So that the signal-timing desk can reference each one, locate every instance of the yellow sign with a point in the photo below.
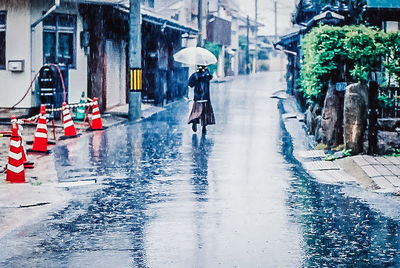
(136, 80)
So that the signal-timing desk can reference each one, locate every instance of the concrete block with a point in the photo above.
(382, 182)
(394, 169)
(359, 160)
(393, 180)
(383, 170)
(370, 170)
(394, 160)
(383, 160)
(371, 160)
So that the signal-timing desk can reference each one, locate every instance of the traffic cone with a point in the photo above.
(81, 110)
(96, 118)
(69, 127)
(40, 139)
(15, 167)
(27, 163)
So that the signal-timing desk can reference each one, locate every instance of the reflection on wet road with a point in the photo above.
(166, 197)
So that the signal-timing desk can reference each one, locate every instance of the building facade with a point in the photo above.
(29, 42)
(88, 41)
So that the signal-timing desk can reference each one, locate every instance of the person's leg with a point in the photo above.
(203, 118)
(195, 115)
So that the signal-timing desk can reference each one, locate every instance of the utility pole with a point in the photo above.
(135, 61)
(256, 34)
(276, 22)
(200, 23)
(247, 48)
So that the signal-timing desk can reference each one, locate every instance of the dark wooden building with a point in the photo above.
(106, 38)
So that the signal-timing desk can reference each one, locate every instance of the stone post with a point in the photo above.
(331, 123)
(355, 116)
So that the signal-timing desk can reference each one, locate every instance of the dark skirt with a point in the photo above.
(202, 111)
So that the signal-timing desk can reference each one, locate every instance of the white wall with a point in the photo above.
(15, 84)
(277, 62)
(235, 45)
(116, 71)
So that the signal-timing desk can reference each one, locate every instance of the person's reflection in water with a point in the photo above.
(200, 154)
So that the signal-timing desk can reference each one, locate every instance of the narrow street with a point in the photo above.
(235, 197)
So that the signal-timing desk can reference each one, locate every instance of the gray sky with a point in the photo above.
(266, 14)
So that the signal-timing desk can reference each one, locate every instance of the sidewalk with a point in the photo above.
(374, 173)
(23, 203)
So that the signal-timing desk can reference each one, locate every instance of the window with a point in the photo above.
(2, 39)
(149, 3)
(59, 35)
(392, 26)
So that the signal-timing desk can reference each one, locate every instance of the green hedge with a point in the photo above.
(215, 49)
(349, 53)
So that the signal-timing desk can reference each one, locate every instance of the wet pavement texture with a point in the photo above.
(236, 197)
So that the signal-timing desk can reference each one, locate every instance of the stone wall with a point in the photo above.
(388, 135)
(344, 120)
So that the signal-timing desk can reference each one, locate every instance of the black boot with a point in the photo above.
(204, 130)
(194, 127)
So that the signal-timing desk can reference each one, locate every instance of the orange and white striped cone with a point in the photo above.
(27, 163)
(15, 167)
(69, 127)
(40, 139)
(96, 118)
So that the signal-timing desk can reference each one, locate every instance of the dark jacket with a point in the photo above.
(201, 83)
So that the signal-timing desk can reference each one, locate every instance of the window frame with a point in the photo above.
(3, 28)
(58, 29)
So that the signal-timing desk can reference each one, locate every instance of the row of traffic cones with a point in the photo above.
(17, 158)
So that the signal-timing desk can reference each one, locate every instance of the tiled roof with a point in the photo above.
(383, 3)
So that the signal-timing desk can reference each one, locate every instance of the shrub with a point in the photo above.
(364, 46)
(215, 49)
(350, 54)
(323, 50)
(391, 47)
(264, 67)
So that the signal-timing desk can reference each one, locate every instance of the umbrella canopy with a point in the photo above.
(195, 56)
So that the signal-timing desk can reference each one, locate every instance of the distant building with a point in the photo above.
(223, 25)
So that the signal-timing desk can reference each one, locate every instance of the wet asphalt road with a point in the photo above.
(236, 197)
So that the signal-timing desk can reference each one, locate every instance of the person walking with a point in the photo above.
(202, 111)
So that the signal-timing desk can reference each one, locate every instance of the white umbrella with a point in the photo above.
(195, 56)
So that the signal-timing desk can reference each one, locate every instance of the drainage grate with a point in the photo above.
(312, 154)
(321, 165)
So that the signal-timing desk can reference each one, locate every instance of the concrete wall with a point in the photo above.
(115, 73)
(20, 15)
(277, 62)
(235, 45)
